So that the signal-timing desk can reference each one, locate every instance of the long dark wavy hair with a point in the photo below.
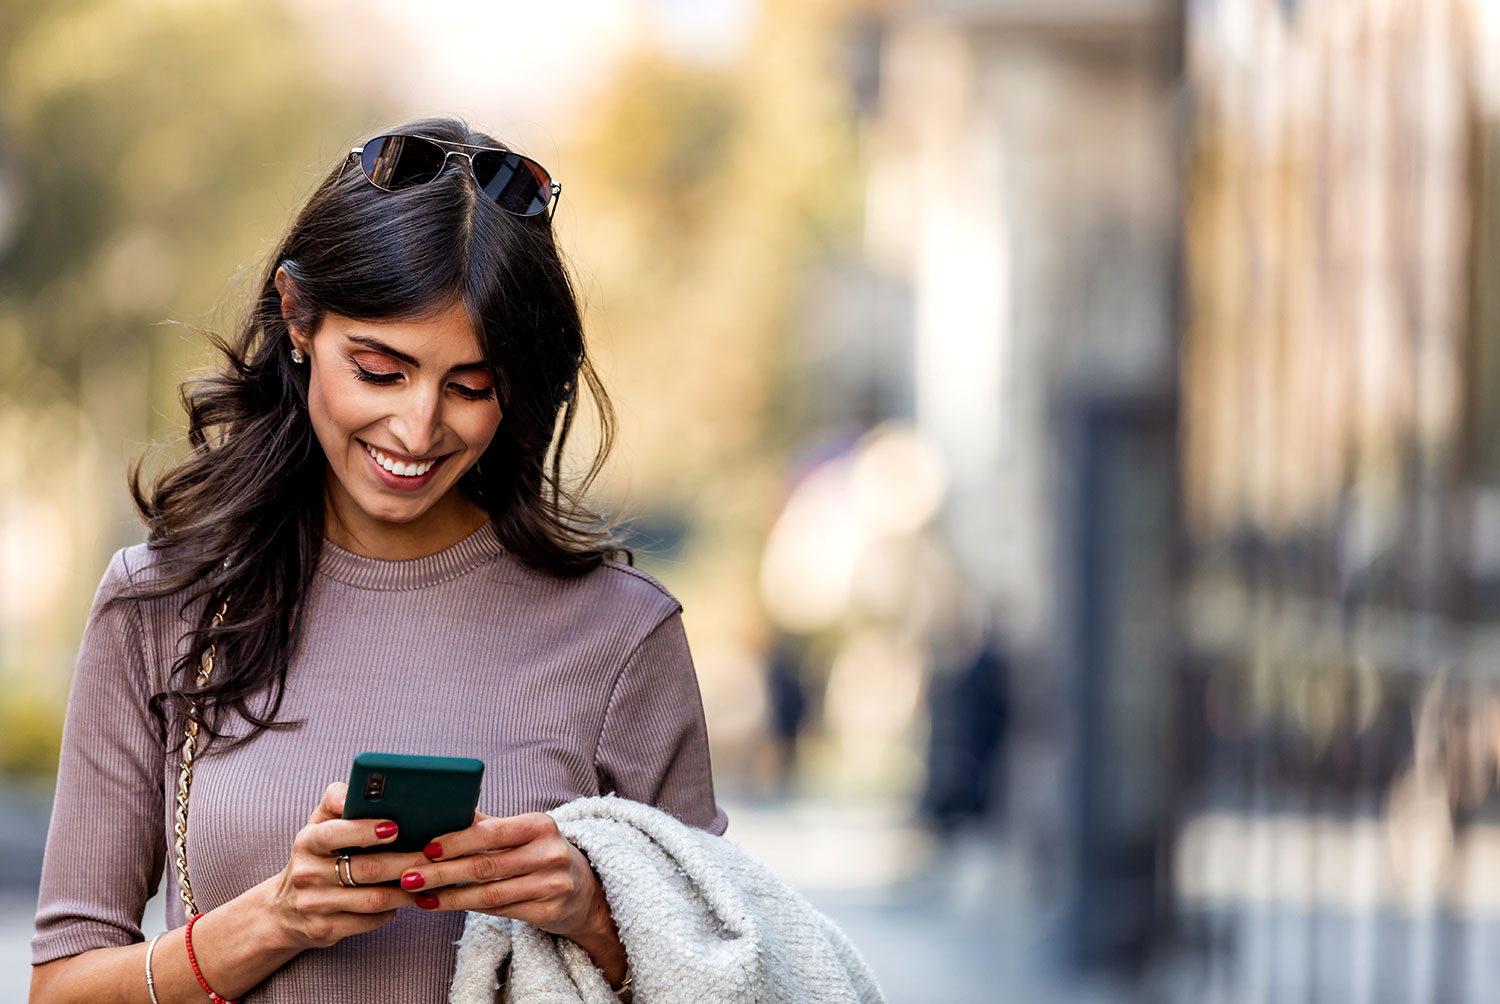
(241, 516)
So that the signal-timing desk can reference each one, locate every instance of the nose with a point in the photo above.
(418, 423)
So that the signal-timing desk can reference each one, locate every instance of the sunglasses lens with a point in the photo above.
(393, 162)
(520, 185)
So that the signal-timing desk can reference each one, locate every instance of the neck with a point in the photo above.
(449, 521)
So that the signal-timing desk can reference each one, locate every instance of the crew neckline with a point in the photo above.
(364, 572)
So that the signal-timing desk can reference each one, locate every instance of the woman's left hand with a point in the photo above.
(520, 867)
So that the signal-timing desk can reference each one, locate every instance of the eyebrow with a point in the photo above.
(379, 346)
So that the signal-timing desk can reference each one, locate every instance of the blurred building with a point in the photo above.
(1015, 306)
(1196, 305)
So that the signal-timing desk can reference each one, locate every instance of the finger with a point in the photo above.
(332, 804)
(487, 866)
(332, 835)
(332, 899)
(384, 866)
(491, 833)
(369, 922)
(511, 897)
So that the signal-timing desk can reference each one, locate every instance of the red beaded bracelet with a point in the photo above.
(188, 936)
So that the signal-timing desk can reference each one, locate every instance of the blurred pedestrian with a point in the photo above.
(969, 710)
(788, 699)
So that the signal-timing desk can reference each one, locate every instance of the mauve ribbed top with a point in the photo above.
(563, 687)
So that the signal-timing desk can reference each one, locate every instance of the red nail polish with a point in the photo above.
(386, 829)
(433, 850)
(427, 901)
(412, 881)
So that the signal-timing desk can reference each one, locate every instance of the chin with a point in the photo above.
(393, 513)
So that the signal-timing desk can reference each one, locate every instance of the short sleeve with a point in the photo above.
(654, 744)
(106, 845)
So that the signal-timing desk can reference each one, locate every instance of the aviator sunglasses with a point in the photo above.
(518, 184)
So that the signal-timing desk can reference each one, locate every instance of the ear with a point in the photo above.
(291, 310)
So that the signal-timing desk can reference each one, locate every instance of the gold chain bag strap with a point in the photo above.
(185, 774)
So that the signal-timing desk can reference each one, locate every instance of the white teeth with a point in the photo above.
(397, 467)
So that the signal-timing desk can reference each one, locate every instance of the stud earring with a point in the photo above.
(297, 355)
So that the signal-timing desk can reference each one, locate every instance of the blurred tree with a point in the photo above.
(704, 195)
(147, 149)
(150, 150)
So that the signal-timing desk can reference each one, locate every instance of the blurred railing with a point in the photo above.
(1336, 707)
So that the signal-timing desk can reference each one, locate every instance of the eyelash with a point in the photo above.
(360, 373)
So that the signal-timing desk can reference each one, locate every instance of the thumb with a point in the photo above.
(332, 805)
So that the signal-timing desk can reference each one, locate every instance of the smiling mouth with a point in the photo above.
(401, 468)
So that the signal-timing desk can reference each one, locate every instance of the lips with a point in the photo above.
(402, 482)
(399, 465)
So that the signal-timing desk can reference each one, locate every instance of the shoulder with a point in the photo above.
(134, 561)
(611, 597)
(131, 568)
(630, 595)
(134, 579)
(630, 580)
(611, 583)
(117, 605)
(139, 562)
(119, 578)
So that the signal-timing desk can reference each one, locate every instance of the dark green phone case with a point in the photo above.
(426, 796)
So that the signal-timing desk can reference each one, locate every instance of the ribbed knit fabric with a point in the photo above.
(564, 687)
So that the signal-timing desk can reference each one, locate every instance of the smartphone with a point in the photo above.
(426, 796)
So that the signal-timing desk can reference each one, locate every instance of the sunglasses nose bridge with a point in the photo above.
(468, 160)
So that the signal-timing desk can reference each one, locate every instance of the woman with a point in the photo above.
(369, 501)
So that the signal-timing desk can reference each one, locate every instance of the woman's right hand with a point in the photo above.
(241, 942)
(311, 907)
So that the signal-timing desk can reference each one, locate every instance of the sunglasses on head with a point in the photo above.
(518, 184)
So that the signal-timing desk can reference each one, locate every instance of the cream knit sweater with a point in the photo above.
(701, 921)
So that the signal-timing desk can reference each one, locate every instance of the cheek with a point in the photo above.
(336, 414)
(479, 428)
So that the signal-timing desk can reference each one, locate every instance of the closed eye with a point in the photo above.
(363, 374)
(471, 393)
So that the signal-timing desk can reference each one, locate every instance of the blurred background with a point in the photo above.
(1072, 428)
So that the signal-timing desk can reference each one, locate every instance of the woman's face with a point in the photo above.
(402, 410)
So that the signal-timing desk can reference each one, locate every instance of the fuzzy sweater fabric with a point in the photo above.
(700, 920)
